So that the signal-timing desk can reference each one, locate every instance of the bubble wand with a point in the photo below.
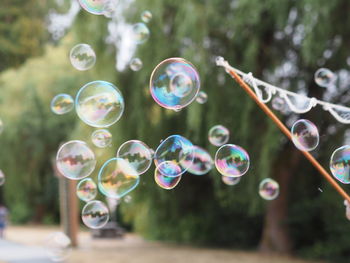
(230, 70)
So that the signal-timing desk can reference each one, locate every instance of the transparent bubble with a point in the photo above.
(167, 176)
(278, 104)
(101, 138)
(62, 103)
(324, 77)
(86, 190)
(136, 64)
(269, 189)
(127, 199)
(95, 7)
(116, 178)
(202, 97)
(174, 83)
(146, 16)
(340, 164)
(218, 135)
(201, 162)
(230, 180)
(347, 209)
(82, 57)
(99, 104)
(75, 160)
(2, 178)
(140, 33)
(232, 160)
(176, 149)
(137, 154)
(57, 246)
(110, 7)
(305, 135)
(95, 214)
(1, 126)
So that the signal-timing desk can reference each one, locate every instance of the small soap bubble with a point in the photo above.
(166, 175)
(146, 16)
(57, 246)
(230, 180)
(232, 160)
(202, 97)
(127, 199)
(201, 162)
(2, 178)
(101, 138)
(136, 64)
(305, 135)
(140, 33)
(278, 104)
(95, 214)
(95, 7)
(62, 104)
(340, 164)
(269, 189)
(324, 77)
(218, 135)
(86, 190)
(1, 126)
(82, 57)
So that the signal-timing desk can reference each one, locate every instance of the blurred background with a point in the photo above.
(281, 42)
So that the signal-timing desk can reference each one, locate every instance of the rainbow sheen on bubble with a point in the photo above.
(2, 178)
(305, 135)
(218, 135)
(116, 178)
(324, 77)
(75, 160)
(95, 7)
(174, 83)
(136, 64)
(86, 190)
(232, 160)
(95, 214)
(202, 97)
(137, 154)
(101, 138)
(269, 189)
(340, 164)
(230, 180)
(82, 57)
(99, 104)
(140, 33)
(146, 16)
(166, 175)
(62, 104)
(57, 246)
(201, 162)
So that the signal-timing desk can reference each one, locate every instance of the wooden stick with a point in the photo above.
(286, 131)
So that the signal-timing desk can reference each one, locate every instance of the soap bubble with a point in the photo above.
(146, 16)
(136, 64)
(57, 246)
(86, 190)
(95, 214)
(99, 104)
(95, 7)
(324, 77)
(347, 209)
(176, 149)
(202, 97)
(101, 138)
(201, 162)
(230, 180)
(232, 160)
(110, 8)
(340, 164)
(2, 178)
(218, 135)
(62, 103)
(305, 135)
(278, 104)
(116, 178)
(166, 175)
(1, 126)
(140, 33)
(174, 83)
(75, 160)
(82, 57)
(269, 189)
(137, 154)
(128, 199)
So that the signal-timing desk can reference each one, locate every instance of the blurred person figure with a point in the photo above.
(3, 219)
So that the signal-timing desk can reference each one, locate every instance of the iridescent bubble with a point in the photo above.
(230, 180)
(269, 189)
(82, 57)
(99, 104)
(86, 190)
(140, 33)
(136, 64)
(2, 178)
(95, 7)
(340, 164)
(174, 83)
(116, 178)
(218, 135)
(201, 162)
(166, 175)
(57, 246)
(1, 126)
(324, 77)
(95, 214)
(75, 160)
(101, 138)
(278, 103)
(62, 104)
(202, 97)
(137, 154)
(305, 135)
(146, 16)
(232, 160)
(176, 149)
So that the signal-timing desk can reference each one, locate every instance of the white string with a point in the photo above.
(339, 112)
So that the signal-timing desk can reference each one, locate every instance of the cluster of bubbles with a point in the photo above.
(324, 77)
(269, 189)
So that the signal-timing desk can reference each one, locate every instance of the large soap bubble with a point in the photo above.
(201, 163)
(86, 190)
(57, 246)
(62, 104)
(305, 135)
(95, 214)
(340, 164)
(82, 57)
